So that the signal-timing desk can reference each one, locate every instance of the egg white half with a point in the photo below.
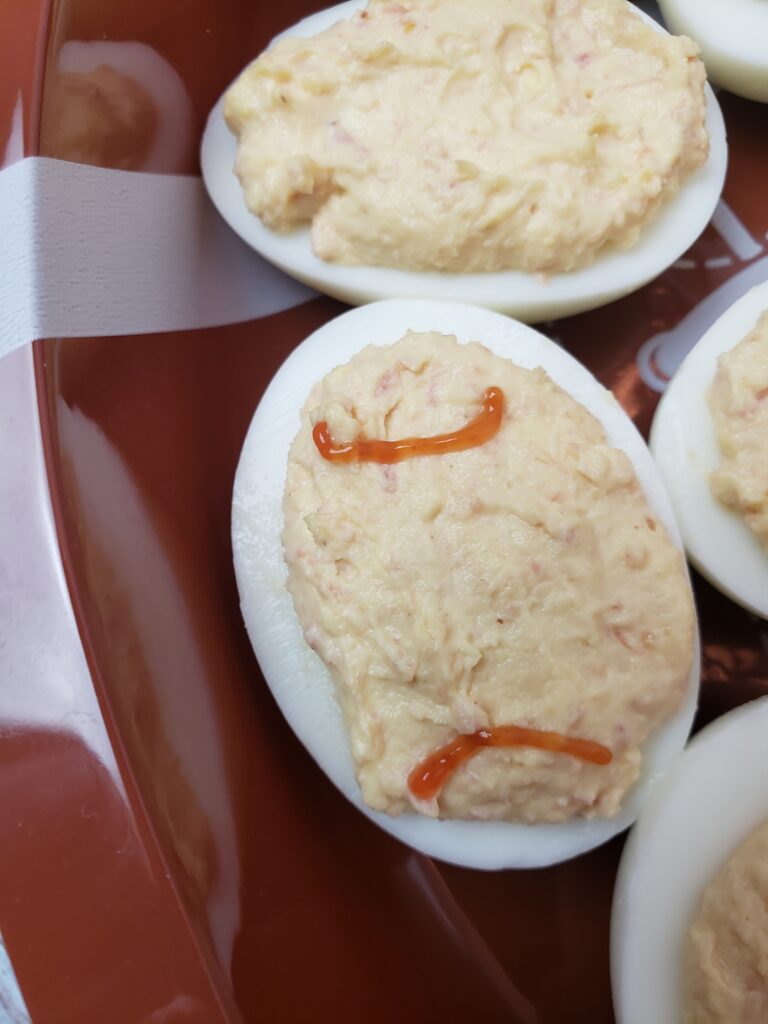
(526, 296)
(298, 679)
(683, 441)
(733, 38)
(709, 803)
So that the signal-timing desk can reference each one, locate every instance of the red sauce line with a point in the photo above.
(477, 432)
(428, 778)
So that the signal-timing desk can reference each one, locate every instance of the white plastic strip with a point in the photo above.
(12, 1007)
(94, 252)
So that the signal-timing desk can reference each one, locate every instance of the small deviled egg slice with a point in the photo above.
(683, 441)
(298, 679)
(528, 297)
(732, 38)
(708, 804)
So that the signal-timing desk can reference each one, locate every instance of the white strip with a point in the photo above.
(12, 1007)
(734, 233)
(95, 252)
(717, 262)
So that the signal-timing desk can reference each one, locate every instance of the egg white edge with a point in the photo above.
(714, 797)
(683, 441)
(526, 296)
(732, 42)
(297, 677)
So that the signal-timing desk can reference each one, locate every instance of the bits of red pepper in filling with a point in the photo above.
(474, 434)
(428, 778)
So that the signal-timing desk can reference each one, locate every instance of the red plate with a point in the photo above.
(170, 853)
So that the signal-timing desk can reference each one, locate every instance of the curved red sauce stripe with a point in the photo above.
(479, 430)
(428, 778)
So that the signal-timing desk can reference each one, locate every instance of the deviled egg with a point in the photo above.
(684, 442)
(677, 952)
(536, 173)
(457, 596)
(732, 38)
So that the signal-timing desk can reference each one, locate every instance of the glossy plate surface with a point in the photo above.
(194, 865)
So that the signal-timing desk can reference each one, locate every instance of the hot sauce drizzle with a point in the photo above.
(428, 778)
(481, 429)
